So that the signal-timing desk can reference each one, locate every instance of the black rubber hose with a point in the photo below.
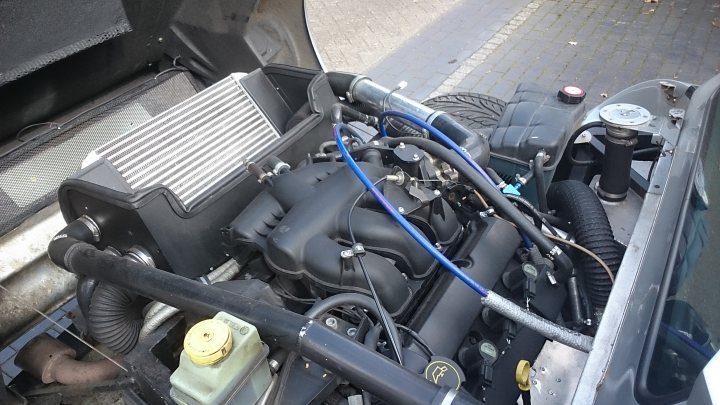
(499, 201)
(340, 82)
(372, 337)
(340, 111)
(464, 137)
(526, 207)
(359, 300)
(337, 353)
(84, 292)
(539, 171)
(578, 203)
(495, 176)
(114, 318)
(571, 144)
(418, 339)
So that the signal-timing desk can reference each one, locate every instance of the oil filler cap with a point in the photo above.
(522, 375)
(208, 342)
(444, 372)
(571, 95)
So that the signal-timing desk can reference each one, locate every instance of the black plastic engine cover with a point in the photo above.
(300, 224)
(447, 314)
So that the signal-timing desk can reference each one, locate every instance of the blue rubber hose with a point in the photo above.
(449, 143)
(492, 300)
(414, 233)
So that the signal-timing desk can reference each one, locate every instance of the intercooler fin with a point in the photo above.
(193, 147)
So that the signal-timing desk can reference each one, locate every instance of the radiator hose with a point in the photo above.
(578, 203)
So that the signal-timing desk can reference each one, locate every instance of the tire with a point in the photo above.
(478, 112)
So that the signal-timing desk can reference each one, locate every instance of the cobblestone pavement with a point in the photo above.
(490, 46)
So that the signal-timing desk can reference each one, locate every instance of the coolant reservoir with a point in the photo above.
(223, 362)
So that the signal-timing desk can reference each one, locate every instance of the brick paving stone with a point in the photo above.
(490, 46)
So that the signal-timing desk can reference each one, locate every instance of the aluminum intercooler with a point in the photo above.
(171, 183)
(193, 147)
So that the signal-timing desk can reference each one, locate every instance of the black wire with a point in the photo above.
(645, 151)
(289, 297)
(56, 125)
(282, 292)
(526, 207)
(418, 339)
(383, 318)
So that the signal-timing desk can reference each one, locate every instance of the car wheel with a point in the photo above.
(478, 112)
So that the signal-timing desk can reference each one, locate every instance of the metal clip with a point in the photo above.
(356, 250)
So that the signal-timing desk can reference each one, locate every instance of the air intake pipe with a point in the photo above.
(374, 98)
(364, 368)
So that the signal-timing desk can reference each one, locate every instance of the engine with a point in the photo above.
(270, 203)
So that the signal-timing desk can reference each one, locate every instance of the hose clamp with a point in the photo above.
(280, 166)
(555, 251)
(351, 88)
(434, 115)
(139, 255)
(92, 226)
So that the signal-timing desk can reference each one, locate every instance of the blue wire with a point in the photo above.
(414, 233)
(438, 135)
(448, 143)
(526, 241)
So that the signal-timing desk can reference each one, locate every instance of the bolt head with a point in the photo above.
(331, 322)
(401, 210)
(351, 332)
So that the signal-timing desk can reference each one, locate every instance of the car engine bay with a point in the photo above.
(293, 236)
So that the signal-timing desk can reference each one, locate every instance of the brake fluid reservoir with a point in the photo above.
(223, 362)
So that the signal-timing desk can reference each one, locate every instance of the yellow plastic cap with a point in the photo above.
(522, 375)
(208, 342)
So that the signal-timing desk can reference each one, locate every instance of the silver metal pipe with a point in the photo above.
(540, 325)
(159, 313)
(366, 91)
